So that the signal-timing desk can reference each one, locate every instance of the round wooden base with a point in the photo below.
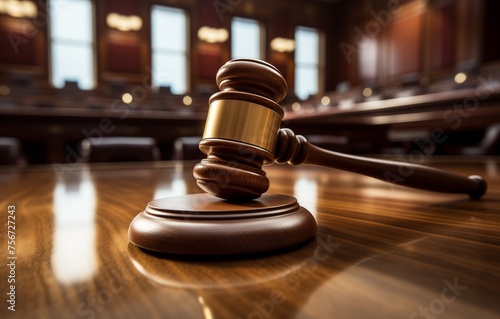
(201, 224)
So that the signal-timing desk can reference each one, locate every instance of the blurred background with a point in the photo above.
(399, 77)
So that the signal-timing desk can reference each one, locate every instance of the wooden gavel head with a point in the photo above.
(241, 130)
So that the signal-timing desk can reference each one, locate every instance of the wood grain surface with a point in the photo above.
(381, 251)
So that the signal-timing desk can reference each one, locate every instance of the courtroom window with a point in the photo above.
(169, 28)
(308, 62)
(246, 38)
(72, 43)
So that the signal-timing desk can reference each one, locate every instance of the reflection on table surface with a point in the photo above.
(382, 251)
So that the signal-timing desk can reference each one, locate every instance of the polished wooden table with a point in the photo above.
(381, 251)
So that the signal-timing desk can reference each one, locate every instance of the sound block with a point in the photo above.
(201, 224)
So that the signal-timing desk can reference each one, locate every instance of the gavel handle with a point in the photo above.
(297, 150)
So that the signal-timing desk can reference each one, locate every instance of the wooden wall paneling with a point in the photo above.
(279, 24)
(361, 23)
(490, 53)
(43, 39)
(124, 7)
(334, 59)
(100, 42)
(145, 47)
(444, 42)
(16, 46)
(440, 39)
(428, 31)
(469, 34)
(420, 38)
(23, 45)
(196, 24)
(121, 53)
(370, 40)
(189, 43)
(213, 13)
(405, 43)
(342, 41)
(283, 62)
(383, 60)
(208, 57)
(323, 53)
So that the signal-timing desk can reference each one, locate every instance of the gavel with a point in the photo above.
(243, 133)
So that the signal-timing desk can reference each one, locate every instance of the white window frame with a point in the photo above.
(164, 77)
(235, 38)
(54, 6)
(318, 65)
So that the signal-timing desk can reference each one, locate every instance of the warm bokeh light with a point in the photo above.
(124, 23)
(18, 9)
(127, 98)
(187, 100)
(283, 45)
(325, 100)
(460, 78)
(367, 92)
(296, 106)
(213, 35)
